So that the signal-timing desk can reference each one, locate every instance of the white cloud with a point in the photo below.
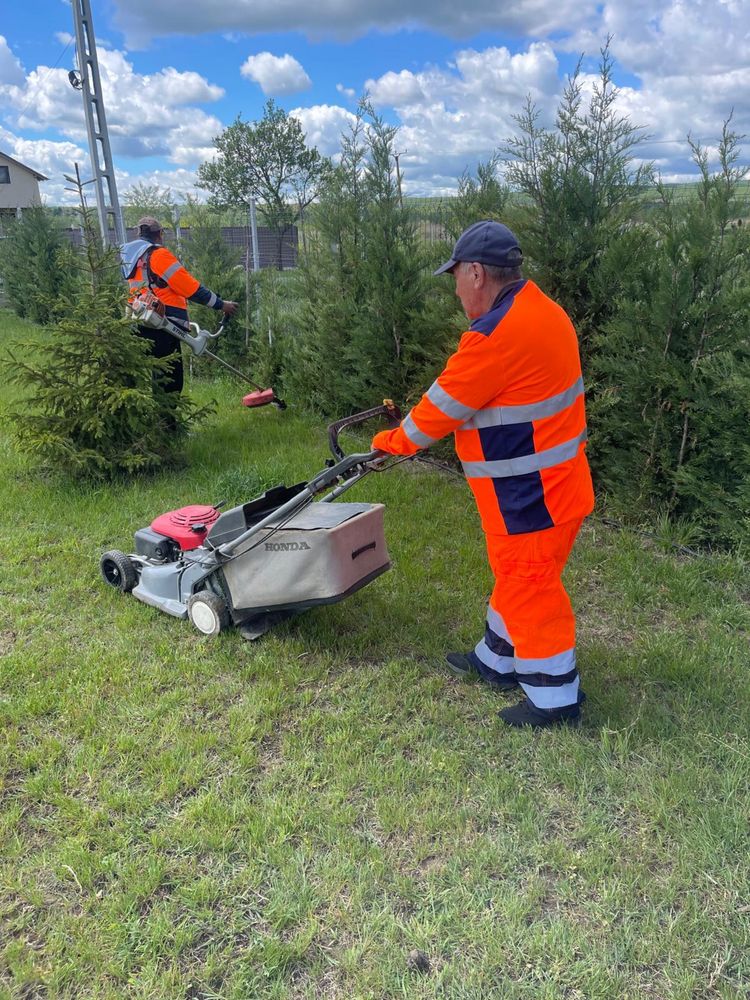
(53, 159)
(453, 116)
(685, 64)
(11, 71)
(323, 125)
(397, 89)
(147, 115)
(691, 61)
(181, 182)
(276, 74)
(672, 37)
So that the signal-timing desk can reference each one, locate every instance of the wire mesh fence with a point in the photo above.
(275, 250)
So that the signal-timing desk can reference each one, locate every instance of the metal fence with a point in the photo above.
(273, 248)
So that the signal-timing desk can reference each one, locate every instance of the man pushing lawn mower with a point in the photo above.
(512, 393)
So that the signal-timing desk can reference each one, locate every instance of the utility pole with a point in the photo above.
(89, 83)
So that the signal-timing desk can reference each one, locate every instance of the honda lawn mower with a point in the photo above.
(146, 310)
(267, 559)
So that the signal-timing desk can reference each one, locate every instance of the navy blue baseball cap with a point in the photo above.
(485, 242)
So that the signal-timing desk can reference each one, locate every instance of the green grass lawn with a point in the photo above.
(193, 819)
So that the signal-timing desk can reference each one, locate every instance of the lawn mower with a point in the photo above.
(145, 310)
(264, 560)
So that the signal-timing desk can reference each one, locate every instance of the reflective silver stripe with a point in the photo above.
(495, 416)
(171, 270)
(495, 661)
(414, 434)
(502, 468)
(552, 697)
(212, 301)
(450, 406)
(496, 623)
(500, 664)
(555, 666)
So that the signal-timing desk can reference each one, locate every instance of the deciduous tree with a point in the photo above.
(266, 160)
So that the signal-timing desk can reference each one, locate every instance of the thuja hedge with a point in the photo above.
(657, 285)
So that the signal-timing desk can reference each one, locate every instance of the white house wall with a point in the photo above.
(23, 190)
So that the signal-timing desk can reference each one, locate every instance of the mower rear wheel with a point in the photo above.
(118, 570)
(208, 612)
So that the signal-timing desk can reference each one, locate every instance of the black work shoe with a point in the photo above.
(469, 665)
(526, 714)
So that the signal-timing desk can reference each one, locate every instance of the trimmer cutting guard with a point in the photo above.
(260, 398)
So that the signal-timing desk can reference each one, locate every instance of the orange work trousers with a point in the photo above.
(530, 629)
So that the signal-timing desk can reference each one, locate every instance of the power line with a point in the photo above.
(46, 77)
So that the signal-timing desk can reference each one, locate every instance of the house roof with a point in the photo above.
(39, 177)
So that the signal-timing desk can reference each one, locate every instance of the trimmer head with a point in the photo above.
(260, 398)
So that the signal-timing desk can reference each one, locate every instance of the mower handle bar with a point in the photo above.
(355, 465)
(348, 467)
(388, 410)
(208, 335)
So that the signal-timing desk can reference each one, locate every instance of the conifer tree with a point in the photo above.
(34, 279)
(96, 405)
(479, 196)
(582, 189)
(369, 328)
(329, 281)
(670, 423)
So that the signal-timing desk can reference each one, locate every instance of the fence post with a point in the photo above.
(177, 228)
(253, 232)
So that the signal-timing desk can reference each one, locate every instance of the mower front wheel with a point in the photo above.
(118, 570)
(208, 612)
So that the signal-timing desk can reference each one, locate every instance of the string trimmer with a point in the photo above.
(198, 342)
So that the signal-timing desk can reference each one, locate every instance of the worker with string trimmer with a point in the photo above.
(160, 288)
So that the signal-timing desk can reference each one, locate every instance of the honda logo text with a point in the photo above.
(286, 546)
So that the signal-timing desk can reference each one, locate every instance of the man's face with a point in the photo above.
(470, 288)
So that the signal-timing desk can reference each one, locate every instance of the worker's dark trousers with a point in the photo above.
(163, 344)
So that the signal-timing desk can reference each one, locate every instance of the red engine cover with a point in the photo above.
(187, 526)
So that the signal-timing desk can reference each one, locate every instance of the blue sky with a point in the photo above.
(451, 76)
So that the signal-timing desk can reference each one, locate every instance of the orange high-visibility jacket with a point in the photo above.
(513, 396)
(171, 283)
